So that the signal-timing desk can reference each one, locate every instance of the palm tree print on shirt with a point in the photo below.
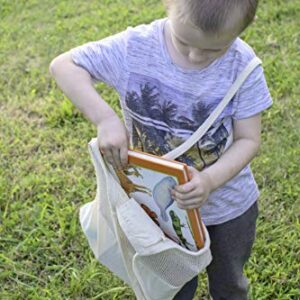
(158, 126)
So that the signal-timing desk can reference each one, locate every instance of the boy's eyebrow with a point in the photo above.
(185, 42)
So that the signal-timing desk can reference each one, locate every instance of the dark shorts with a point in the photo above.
(231, 244)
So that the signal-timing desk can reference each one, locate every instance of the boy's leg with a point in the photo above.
(231, 244)
(188, 291)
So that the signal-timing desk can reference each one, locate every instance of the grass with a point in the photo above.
(45, 169)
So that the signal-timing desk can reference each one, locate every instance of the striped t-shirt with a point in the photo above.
(163, 103)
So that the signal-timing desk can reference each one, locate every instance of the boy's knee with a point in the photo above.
(228, 288)
(188, 291)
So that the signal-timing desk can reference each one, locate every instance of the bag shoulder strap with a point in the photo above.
(196, 136)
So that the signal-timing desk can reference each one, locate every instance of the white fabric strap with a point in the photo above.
(196, 136)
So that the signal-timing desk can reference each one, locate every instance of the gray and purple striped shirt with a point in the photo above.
(163, 103)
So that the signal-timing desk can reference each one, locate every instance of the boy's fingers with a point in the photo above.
(189, 204)
(108, 157)
(184, 188)
(192, 171)
(124, 156)
(185, 196)
(113, 156)
(116, 159)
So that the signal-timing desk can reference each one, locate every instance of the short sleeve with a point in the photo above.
(105, 59)
(253, 96)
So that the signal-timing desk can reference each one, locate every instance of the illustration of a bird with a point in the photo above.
(162, 196)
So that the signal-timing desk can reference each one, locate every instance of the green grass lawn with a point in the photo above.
(45, 169)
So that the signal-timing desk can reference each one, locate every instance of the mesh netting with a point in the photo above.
(173, 266)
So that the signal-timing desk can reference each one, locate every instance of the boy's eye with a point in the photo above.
(204, 50)
(181, 42)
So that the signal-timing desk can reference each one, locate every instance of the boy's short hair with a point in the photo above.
(211, 15)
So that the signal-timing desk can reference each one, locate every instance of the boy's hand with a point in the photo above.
(194, 193)
(113, 141)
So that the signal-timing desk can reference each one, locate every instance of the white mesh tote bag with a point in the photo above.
(154, 266)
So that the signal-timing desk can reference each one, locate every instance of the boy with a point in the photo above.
(170, 75)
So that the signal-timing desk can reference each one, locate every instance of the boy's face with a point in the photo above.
(198, 47)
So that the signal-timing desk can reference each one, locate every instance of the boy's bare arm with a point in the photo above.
(77, 84)
(243, 149)
(245, 146)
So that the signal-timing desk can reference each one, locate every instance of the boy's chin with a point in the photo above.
(200, 63)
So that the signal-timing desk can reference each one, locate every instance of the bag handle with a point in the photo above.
(196, 136)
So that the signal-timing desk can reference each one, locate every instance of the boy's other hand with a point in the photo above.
(194, 193)
(113, 141)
